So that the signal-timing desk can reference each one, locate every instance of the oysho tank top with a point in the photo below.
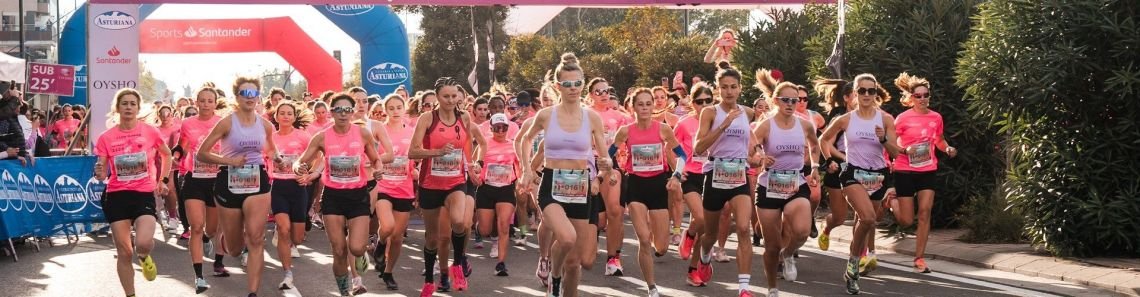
(245, 141)
(727, 168)
(783, 178)
(646, 158)
(568, 145)
(863, 147)
(447, 171)
(344, 158)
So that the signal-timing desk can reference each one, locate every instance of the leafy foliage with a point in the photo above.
(709, 22)
(1061, 79)
(779, 44)
(447, 49)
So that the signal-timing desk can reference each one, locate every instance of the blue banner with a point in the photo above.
(38, 201)
(385, 58)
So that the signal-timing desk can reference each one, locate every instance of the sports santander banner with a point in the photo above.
(113, 59)
(202, 36)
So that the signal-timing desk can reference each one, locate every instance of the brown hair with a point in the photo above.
(302, 116)
(832, 91)
(883, 95)
(907, 83)
(243, 80)
(568, 62)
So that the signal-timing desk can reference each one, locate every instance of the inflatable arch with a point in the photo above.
(384, 51)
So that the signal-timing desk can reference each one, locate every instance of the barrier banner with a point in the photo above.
(38, 201)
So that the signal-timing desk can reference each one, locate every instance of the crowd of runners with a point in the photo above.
(555, 164)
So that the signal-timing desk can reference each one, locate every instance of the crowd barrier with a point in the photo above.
(50, 198)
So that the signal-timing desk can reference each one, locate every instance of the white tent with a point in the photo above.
(12, 68)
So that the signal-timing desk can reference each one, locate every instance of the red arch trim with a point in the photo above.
(280, 35)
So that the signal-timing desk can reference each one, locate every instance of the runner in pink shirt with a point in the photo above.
(919, 131)
(128, 150)
(495, 199)
(65, 127)
(599, 92)
(196, 188)
(694, 183)
(289, 198)
(396, 197)
(497, 106)
(167, 125)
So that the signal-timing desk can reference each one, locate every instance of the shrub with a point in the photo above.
(1061, 78)
(779, 44)
(991, 219)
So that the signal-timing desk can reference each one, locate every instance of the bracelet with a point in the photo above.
(883, 140)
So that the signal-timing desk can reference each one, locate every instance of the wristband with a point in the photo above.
(883, 140)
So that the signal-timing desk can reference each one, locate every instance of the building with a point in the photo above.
(41, 29)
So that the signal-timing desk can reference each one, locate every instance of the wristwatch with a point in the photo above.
(165, 179)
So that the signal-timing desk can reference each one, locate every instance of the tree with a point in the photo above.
(642, 27)
(148, 84)
(447, 46)
(573, 20)
(354, 79)
(1060, 80)
(520, 62)
(779, 44)
(709, 22)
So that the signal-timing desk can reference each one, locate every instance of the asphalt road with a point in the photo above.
(87, 269)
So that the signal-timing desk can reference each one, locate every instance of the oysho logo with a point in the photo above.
(69, 194)
(113, 53)
(114, 20)
(113, 84)
(387, 74)
(44, 194)
(348, 9)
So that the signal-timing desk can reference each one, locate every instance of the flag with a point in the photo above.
(835, 61)
(491, 49)
(473, 78)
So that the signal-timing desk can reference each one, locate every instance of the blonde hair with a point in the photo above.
(907, 83)
(569, 62)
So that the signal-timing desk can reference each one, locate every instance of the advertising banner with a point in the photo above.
(112, 62)
(202, 36)
(51, 79)
(38, 200)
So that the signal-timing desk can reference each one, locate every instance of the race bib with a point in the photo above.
(646, 157)
(449, 165)
(569, 186)
(782, 184)
(395, 171)
(204, 170)
(920, 155)
(871, 181)
(729, 173)
(285, 171)
(701, 159)
(610, 137)
(129, 167)
(499, 175)
(344, 169)
(245, 179)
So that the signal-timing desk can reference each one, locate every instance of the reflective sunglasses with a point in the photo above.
(570, 83)
(703, 101)
(920, 95)
(789, 100)
(601, 92)
(341, 109)
(249, 93)
(868, 91)
(190, 114)
(499, 128)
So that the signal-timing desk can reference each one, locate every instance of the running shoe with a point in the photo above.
(867, 264)
(458, 279)
(675, 239)
(745, 293)
(220, 271)
(358, 287)
(613, 267)
(390, 282)
(721, 256)
(294, 252)
(920, 266)
(172, 224)
(790, 272)
(653, 293)
(501, 269)
(851, 276)
(773, 292)
(200, 285)
(286, 282)
(361, 263)
(444, 283)
(207, 249)
(185, 235)
(694, 278)
(520, 240)
(494, 248)
(824, 241)
(149, 270)
(543, 271)
(478, 244)
(466, 268)
(705, 271)
(427, 290)
(244, 257)
(814, 232)
(686, 249)
(343, 285)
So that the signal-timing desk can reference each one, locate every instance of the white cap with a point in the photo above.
(498, 118)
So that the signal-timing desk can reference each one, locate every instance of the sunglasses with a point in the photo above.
(341, 109)
(868, 91)
(803, 99)
(789, 100)
(704, 101)
(570, 83)
(601, 92)
(427, 104)
(499, 128)
(249, 93)
(190, 114)
(920, 95)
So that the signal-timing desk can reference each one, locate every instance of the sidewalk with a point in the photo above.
(1117, 275)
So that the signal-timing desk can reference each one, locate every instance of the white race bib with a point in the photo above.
(395, 171)
(499, 175)
(449, 165)
(729, 173)
(129, 167)
(646, 157)
(569, 186)
(344, 169)
(245, 179)
(871, 181)
(285, 172)
(920, 155)
(782, 184)
(204, 170)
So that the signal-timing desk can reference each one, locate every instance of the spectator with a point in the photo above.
(64, 129)
(12, 139)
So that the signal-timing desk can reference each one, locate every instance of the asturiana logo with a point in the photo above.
(348, 9)
(387, 74)
(114, 20)
(69, 194)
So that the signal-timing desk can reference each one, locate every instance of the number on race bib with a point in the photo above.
(499, 175)
(782, 184)
(449, 165)
(344, 169)
(646, 157)
(920, 155)
(129, 167)
(570, 186)
(245, 179)
(395, 171)
(871, 181)
(729, 173)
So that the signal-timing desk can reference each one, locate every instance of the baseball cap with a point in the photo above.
(498, 118)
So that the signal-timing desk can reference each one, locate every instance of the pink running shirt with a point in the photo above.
(923, 132)
(396, 178)
(131, 157)
(291, 147)
(502, 164)
(191, 134)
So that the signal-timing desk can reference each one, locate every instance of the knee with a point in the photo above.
(339, 253)
(866, 216)
(284, 230)
(743, 231)
(356, 250)
(255, 241)
(196, 231)
(125, 253)
(385, 229)
(566, 244)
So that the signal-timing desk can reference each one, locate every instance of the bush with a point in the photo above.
(1061, 78)
(887, 37)
(991, 219)
(780, 45)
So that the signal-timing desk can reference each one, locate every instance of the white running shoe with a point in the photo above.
(653, 293)
(790, 272)
(287, 282)
(494, 248)
(773, 292)
(293, 252)
(720, 255)
(613, 267)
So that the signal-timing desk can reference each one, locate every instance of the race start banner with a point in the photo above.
(39, 201)
(51, 79)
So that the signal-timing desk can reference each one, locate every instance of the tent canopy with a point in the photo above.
(12, 68)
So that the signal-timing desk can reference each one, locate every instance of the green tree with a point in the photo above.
(642, 27)
(520, 62)
(709, 22)
(447, 49)
(779, 44)
(1060, 79)
(572, 20)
